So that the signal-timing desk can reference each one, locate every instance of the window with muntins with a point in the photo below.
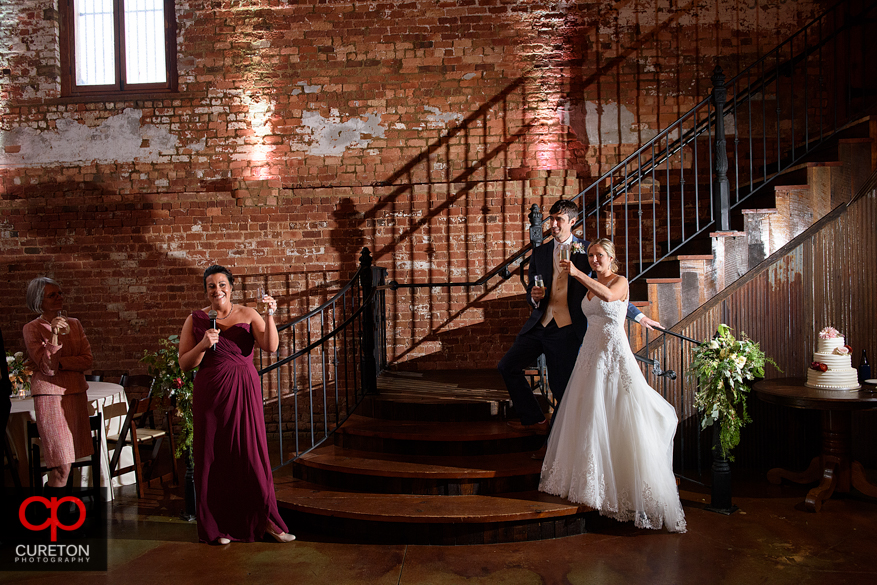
(118, 46)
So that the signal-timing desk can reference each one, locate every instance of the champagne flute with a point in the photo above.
(537, 281)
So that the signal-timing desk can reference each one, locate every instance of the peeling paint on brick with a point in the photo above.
(118, 138)
(331, 137)
(437, 119)
(307, 88)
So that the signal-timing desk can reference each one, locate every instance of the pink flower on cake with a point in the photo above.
(829, 333)
(842, 350)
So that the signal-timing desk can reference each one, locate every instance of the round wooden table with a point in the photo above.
(834, 465)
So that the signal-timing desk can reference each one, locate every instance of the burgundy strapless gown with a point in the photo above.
(234, 486)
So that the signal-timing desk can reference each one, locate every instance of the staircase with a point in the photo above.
(428, 460)
(800, 196)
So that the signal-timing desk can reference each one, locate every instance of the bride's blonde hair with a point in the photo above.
(609, 247)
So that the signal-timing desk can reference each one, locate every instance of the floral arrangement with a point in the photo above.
(173, 383)
(20, 372)
(723, 368)
(577, 247)
(829, 333)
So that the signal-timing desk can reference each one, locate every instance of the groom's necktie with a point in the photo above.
(557, 302)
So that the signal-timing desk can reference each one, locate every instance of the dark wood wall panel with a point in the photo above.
(825, 276)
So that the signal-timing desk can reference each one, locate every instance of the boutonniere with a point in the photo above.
(577, 248)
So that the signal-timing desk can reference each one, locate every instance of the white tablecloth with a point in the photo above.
(103, 397)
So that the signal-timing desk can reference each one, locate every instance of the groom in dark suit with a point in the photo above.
(557, 325)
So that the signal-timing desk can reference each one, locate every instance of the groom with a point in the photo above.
(557, 325)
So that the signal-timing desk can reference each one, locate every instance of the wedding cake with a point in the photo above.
(831, 368)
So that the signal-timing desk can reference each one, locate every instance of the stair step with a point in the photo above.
(433, 437)
(408, 396)
(429, 519)
(408, 474)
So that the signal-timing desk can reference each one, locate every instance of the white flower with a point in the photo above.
(714, 344)
(740, 360)
(843, 350)
(829, 333)
(19, 355)
(9, 359)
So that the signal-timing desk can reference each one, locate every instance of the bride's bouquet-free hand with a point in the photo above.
(724, 368)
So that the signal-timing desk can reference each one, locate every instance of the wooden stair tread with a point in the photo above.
(409, 508)
(351, 461)
(438, 394)
(455, 379)
(427, 430)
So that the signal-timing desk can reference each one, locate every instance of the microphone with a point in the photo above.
(212, 316)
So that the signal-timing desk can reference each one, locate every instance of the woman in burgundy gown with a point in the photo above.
(234, 486)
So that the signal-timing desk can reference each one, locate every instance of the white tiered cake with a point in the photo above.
(831, 368)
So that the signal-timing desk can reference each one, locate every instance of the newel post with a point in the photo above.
(721, 187)
(720, 496)
(535, 225)
(536, 239)
(369, 368)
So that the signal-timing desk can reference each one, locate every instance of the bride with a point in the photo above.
(611, 444)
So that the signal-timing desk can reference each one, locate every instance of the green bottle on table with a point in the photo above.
(864, 368)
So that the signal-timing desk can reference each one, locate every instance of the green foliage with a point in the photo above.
(723, 368)
(172, 382)
(20, 371)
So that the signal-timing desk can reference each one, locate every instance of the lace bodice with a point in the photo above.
(604, 314)
(605, 341)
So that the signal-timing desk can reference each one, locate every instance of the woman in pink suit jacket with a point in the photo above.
(60, 353)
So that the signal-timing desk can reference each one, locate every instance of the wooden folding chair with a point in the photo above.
(10, 461)
(137, 434)
(38, 468)
(137, 385)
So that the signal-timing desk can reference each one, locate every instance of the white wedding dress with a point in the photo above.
(611, 444)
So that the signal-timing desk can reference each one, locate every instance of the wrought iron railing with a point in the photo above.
(329, 359)
(674, 187)
(686, 180)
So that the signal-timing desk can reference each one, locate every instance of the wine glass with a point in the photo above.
(564, 252)
(66, 328)
(261, 305)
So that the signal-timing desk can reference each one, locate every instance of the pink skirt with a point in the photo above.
(62, 421)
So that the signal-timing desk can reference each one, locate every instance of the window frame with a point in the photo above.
(120, 87)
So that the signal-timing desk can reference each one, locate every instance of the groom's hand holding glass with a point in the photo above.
(537, 292)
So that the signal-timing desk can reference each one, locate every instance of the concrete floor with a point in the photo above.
(771, 539)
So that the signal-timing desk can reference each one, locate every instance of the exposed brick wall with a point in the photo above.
(304, 131)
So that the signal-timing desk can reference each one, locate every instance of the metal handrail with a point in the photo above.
(313, 345)
(317, 310)
(349, 348)
(660, 155)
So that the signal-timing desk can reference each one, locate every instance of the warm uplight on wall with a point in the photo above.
(258, 115)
